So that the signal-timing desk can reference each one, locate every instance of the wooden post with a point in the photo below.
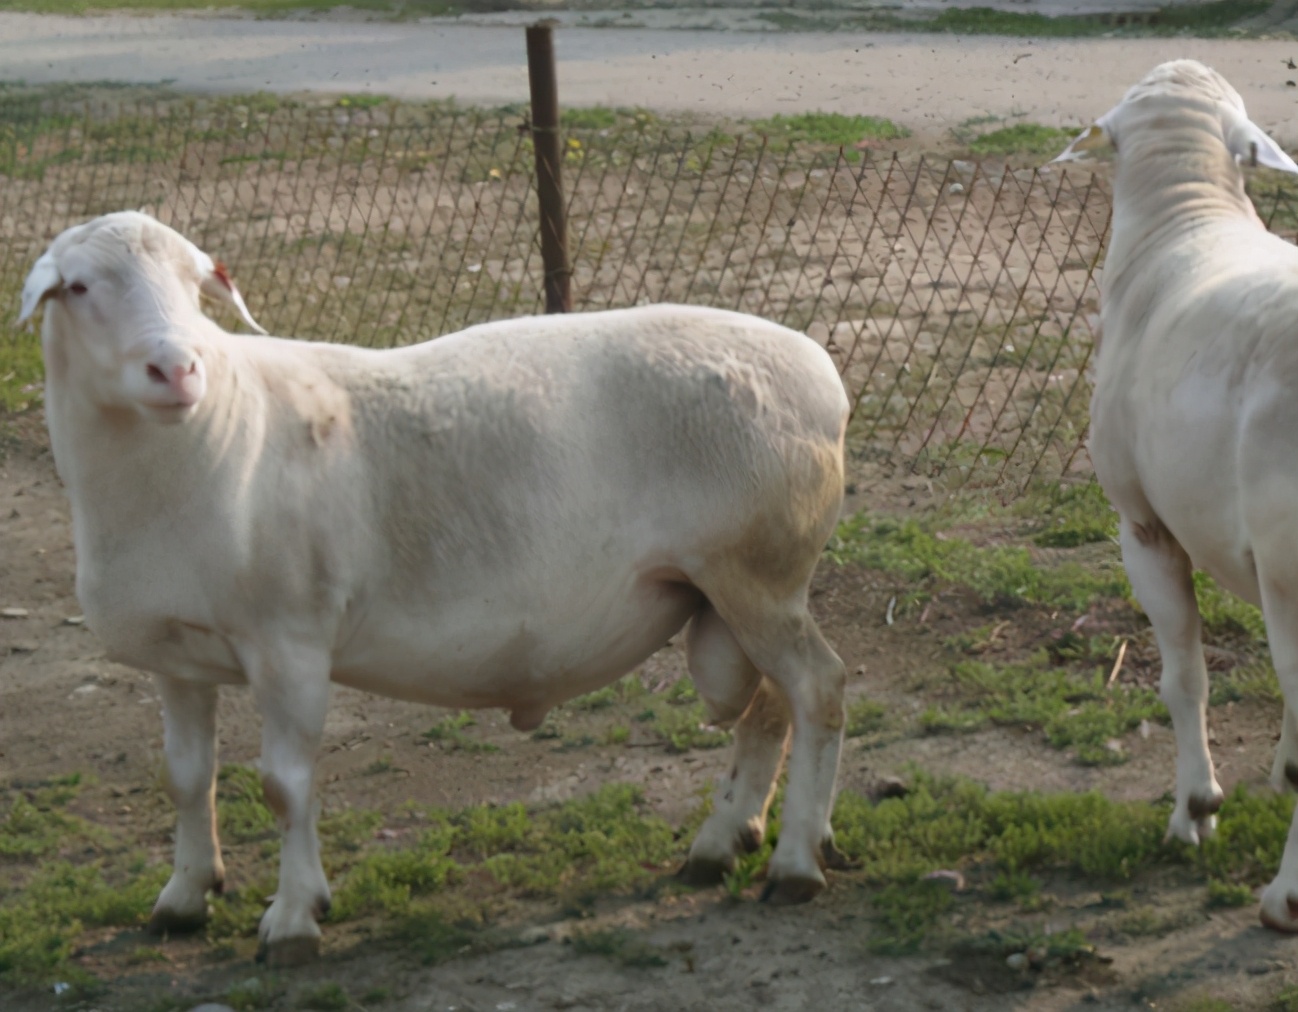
(549, 164)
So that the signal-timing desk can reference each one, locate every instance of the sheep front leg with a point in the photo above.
(189, 777)
(1161, 577)
(1279, 908)
(1284, 769)
(293, 696)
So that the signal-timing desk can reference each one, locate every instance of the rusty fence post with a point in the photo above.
(549, 163)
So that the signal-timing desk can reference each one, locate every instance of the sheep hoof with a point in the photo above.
(786, 892)
(701, 872)
(165, 921)
(287, 952)
(1202, 806)
(834, 859)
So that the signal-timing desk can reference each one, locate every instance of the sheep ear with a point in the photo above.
(217, 285)
(1251, 145)
(43, 280)
(1094, 138)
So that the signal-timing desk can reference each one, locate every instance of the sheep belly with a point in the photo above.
(524, 658)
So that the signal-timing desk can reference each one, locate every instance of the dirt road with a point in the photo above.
(928, 83)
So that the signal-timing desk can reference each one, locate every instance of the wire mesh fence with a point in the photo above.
(957, 299)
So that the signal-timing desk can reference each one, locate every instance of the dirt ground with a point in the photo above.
(64, 708)
(927, 83)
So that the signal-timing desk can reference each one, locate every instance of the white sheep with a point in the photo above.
(1194, 417)
(504, 517)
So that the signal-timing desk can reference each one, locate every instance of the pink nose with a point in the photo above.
(178, 374)
(181, 380)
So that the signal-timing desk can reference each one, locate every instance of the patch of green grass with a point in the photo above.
(1228, 894)
(620, 945)
(22, 369)
(624, 690)
(252, 994)
(241, 809)
(33, 824)
(907, 914)
(1204, 1003)
(1247, 681)
(1022, 139)
(683, 728)
(427, 930)
(865, 717)
(449, 734)
(1250, 837)
(41, 921)
(1075, 711)
(828, 130)
(1074, 514)
(1224, 613)
(1287, 999)
(998, 574)
(327, 997)
(602, 843)
(385, 881)
(1206, 19)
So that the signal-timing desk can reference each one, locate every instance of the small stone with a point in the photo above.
(950, 876)
(74, 620)
(1017, 961)
(881, 981)
(955, 189)
(13, 612)
(534, 936)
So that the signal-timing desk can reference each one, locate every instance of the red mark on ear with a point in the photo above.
(222, 275)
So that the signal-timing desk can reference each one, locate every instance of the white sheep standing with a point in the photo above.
(1194, 416)
(504, 517)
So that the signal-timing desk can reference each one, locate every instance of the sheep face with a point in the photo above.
(1181, 95)
(122, 308)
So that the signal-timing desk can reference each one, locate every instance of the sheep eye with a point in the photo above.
(77, 288)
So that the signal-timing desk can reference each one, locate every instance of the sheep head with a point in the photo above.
(122, 297)
(1180, 93)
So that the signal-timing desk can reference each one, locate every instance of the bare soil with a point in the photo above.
(64, 708)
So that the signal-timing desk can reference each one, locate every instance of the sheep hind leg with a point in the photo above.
(784, 644)
(732, 687)
(1161, 577)
(1279, 908)
(189, 777)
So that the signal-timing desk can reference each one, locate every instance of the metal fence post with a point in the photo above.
(549, 163)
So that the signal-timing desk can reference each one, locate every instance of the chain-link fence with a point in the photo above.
(957, 299)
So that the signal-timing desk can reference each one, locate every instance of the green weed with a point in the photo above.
(252, 994)
(240, 806)
(329, 997)
(1005, 575)
(620, 945)
(1075, 711)
(864, 717)
(1022, 138)
(1251, 832)
(907, 914)
(1224, 613)
(1247, 681)
(1228, 894)
(828, 130)
(687, 727)
(1074, 514)
(449, 734)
